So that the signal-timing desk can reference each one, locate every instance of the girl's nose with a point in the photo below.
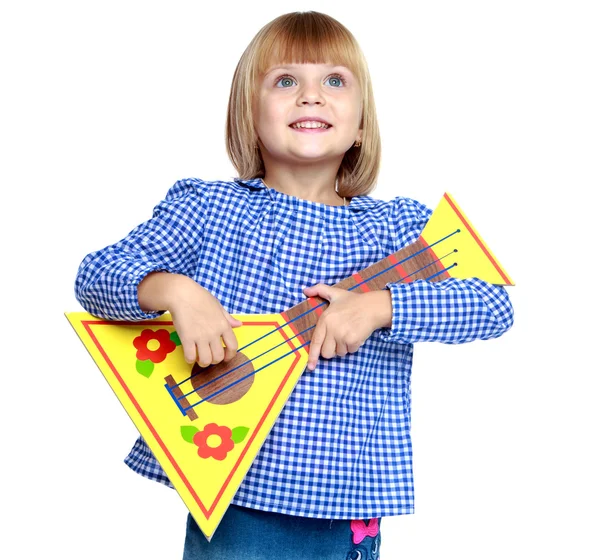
(310, 94)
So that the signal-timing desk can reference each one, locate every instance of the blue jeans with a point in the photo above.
(247, 534)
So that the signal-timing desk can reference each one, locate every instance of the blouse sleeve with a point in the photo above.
(451, 311)
(107, 279)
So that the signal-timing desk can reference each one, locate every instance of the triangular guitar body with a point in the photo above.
(205, 436)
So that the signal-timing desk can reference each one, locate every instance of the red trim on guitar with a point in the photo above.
(315, 306)
(207, 512)
(404, 277)
(479, 242)
(298, 336)
(358, 279)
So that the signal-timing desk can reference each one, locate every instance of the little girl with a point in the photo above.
(302, 133)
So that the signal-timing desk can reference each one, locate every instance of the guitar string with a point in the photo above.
(232, 384)
(350, 289)
(296, 335)
(212, 395)
(294, 349)
(363, 282)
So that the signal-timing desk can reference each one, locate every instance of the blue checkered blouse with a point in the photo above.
(341, 447)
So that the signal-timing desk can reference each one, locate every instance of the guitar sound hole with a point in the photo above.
(224, 390)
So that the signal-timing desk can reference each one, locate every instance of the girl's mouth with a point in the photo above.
(310, 126)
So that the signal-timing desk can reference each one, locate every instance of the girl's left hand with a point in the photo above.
(347, 322)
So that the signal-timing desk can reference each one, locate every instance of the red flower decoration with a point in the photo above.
(220, 451)
(165, 345)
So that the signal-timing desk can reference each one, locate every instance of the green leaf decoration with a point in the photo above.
(175, 338)
(239, 434)
(145, 367)
(188, 433)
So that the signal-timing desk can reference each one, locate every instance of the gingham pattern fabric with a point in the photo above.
(341, 448)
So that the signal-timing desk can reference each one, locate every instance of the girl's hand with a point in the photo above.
(201, 322)
(348, 321)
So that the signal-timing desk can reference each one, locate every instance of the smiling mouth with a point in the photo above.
(310, 125)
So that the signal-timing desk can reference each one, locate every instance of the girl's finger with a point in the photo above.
(341, 349)
(315, 345)
(217, 352)
(204, 354)
(230, 319)
(329, 347)
(353, 348)
(189, 351)
(231, 344)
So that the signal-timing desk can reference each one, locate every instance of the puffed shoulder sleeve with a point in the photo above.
(450, 311)
(107, 279)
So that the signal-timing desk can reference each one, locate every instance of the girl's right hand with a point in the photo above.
(201, 322)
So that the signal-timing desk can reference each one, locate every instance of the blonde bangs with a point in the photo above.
(312, 39)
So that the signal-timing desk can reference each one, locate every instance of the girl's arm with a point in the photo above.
(151, 270)
(107, 280)
(199, 318)
(451, 311)
(460, 311)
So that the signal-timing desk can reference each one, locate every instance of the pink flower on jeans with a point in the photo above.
(360, 529)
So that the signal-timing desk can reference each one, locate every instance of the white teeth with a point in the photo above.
(310, 124)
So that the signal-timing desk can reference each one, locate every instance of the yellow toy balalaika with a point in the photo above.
(206, 425)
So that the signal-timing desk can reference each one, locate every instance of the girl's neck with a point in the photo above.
(319, 189)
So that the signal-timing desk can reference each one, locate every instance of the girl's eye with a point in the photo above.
(336, 81)
(285, 80)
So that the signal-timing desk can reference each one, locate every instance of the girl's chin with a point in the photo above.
(317, 155)
(306, 151)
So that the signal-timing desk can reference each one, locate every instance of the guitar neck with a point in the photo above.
(414, 262)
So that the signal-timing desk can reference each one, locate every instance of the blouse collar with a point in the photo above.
(359, 203)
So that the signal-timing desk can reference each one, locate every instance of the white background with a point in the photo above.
(104, 105)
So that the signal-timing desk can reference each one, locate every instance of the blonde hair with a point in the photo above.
(296, 38)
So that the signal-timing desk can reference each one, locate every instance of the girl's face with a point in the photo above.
(291, 92)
